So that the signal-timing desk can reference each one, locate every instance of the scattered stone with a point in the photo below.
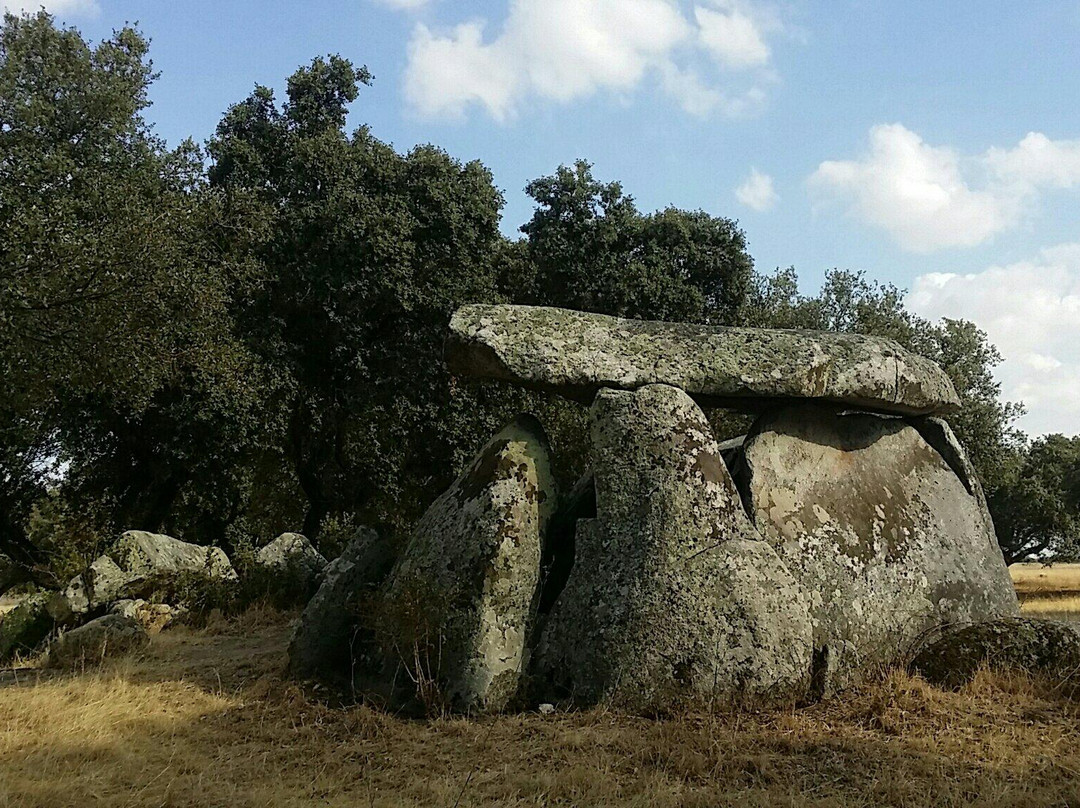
(878, 530)
(547, 709)
(673, 597)
(108, 636)
(98, 585)
(154, 617)
(576, 353)
(952, 656)
(292, 553)
(153, 560)
(459, 604)
(25, 627)
(333, 638)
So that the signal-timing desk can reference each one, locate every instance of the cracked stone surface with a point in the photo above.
(881, 533)
(673, 597)
(460, 604)
(576, 353)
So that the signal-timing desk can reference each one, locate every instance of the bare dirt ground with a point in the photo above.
(204, 718)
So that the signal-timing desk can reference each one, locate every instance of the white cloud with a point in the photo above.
(1031, 311)
(733, 37)
(924, 196)
(757, 191)
(566, 50)
(57, 7)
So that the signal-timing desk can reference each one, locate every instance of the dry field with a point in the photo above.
(1052, 592)
(202, 718)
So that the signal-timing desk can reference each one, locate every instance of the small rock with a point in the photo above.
(292, 552)
(547, 709)
(108, 636)
(154, 617)
(952, 656)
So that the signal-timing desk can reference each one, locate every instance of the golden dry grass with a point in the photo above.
(203, 718)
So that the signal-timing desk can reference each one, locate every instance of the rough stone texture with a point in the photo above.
(461, 601)
(98, 585)
(152, 559)
(108, 636)
(292, 550)
(939, 434)
(26, 626)
(673, 597)
(952, 657)
(877, 528)
(154, 617)
(576, 353)
(332, 638)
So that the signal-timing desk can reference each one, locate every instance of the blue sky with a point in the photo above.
(934, 145)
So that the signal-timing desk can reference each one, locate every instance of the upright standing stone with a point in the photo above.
(672, 598)
(335, 638)
(879, 530)
(576, 353)
(459, 605)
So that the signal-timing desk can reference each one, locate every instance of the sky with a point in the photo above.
(932, 145)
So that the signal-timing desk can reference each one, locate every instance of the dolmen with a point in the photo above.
(780, 567)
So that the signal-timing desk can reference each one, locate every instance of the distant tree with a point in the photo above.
(1036, 505)
(589, 248)
(366, 254)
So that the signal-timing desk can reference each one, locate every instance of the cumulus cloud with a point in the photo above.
(1031, 312)
(58, 7)
(931, 197)
(757, 192)
(565, 50)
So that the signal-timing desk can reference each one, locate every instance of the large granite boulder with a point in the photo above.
(335, 636)
(879, 530)
(952, 657)
(292, 554)
(155, 563)
(108, 636)
(96, 587)
(26, 626)
(460, 603)
(576, 353)
(673, 599)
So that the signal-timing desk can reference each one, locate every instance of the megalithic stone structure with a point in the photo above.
(575, 353)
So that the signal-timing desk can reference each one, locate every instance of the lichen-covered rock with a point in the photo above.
(877, 528)
(951, 657)
(333, 639)
(459, 604)
(97, 586)
(154, 617)
(26, 626)
(108, 636)
(576, 353)
(292, 553)
(673, 598)
(152, 560)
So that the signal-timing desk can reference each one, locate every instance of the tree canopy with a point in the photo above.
(230, 342)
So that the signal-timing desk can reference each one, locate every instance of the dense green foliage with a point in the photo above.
(230, 344)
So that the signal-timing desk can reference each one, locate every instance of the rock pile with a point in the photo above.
(780, 566)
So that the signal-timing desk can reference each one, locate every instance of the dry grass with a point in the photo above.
(202, 718)
(1052, 592)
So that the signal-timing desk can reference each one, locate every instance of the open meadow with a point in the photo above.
(204, 718)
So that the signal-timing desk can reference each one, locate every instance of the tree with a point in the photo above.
(589, 248)
(1036, 506)
(365, 255)
(108, 293)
